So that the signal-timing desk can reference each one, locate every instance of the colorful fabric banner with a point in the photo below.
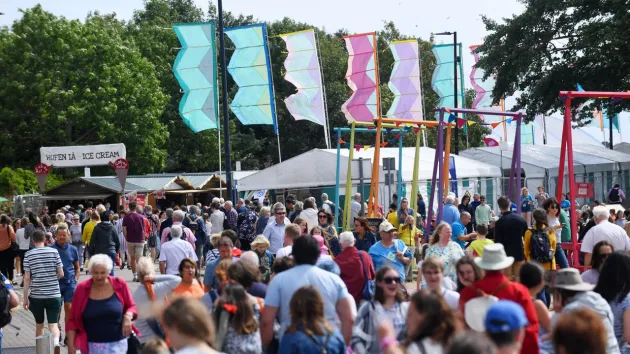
(482, 87)
(195, 69)
(250, 68)
(363, 105)
(405, 81)
(442, 80)
(303, 71)
(527, 134)
(490, 142)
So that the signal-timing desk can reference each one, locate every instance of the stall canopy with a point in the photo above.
(316, 168)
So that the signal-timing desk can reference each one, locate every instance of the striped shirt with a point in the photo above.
(43, 263)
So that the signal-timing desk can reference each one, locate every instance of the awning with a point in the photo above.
(192, 191)
(74, 196)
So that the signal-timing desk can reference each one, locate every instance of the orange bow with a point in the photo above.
(230, 308)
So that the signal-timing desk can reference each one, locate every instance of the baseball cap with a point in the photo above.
(386, 226)
(505, 316)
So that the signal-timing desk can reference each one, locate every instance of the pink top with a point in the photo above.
(190, 237)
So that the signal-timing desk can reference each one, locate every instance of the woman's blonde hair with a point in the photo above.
(307, 312)
(436, 234)
(298, 220)
(222, 270)
(432, 263)
(145, 267)
(214, 239)
(260, 239)
(190, 317)
(413, 222)
(60, 217)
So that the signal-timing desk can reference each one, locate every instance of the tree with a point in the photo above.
(72, 83)
(554, 45)
(21, 181)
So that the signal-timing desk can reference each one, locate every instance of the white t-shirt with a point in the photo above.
(284, 251)
(21, 241)
(173, 252)
(451, 297)
(606, 231)
(430, 346)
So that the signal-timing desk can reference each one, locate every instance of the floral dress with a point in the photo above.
(235, 343)
(449, 255)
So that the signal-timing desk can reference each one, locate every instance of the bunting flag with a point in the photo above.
(405, 81)
(195, 69)
(470, 122)
(389, 130)
(482, 87)
(461, 122)
(366, 147)
(391, 141)
(371, 127)
(398, 135)
(384, 144)
(496, 124)
(579, 88)
(250, 68)
(452, 118)
(416, 130)
(508, 120)
(303, 71)
(341, 141)
(357, 147)
(398, 124)
(442, 80)
(363, 105)
(490, 142)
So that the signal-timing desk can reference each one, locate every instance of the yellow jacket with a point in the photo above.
(552, 244)
(406, 235)
(393, 219)
(87, 232)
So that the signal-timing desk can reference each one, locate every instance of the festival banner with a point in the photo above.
(362, 78)
(585, 190)
(121, 167)
(405, 81)
(82, 156)
(41, 173)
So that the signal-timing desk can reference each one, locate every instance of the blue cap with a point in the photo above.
(505, 316)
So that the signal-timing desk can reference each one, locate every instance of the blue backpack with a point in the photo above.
(540, 247)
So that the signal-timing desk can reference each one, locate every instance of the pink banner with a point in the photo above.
(362, 78)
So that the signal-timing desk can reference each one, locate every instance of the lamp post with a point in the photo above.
(226, 120)
(455, 61)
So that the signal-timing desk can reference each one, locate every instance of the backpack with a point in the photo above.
(475, 309)
(192, 224)
(5, 304)
(539, 246)
(169, 237)
(613, 196)
(247, 226)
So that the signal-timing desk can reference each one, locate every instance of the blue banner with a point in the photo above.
(453, 172)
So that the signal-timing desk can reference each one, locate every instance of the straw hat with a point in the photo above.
(494, 258)
(570, 279)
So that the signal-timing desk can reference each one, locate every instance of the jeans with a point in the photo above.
(199, 253)
(561, 258)
(112, 255)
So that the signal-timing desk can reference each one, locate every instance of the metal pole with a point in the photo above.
(361, 181)
(610, 131)
(224, 88)
(455, 89)
(337, 179)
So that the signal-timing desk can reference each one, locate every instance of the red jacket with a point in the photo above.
(514, 292)
(352, 270)
(79, 303)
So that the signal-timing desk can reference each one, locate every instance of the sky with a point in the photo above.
(412, 17)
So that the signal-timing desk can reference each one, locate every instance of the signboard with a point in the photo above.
(121, 166)
(41, 172)
(78, 156)
(260, 196)
(159, 194)
(585, 190)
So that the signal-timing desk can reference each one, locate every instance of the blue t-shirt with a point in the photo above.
(285, 284)
(450, 214)
(210, 277)
(618, 309)
(68, 255)
(382, 256)
(300, 342)
(527, 202)
(513, 207)
(458, 230)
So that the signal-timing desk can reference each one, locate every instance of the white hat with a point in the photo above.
(570, 279)
(386, 226)
(494, 258)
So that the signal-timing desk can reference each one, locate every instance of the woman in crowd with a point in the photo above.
(442, 247)
(206, 220)
(302, 224)
(433, 273)
(7, 253)
(532, 275)
(323, 249)
(280, 265)
(601, 251)
(122, 251)
(404, 211)
(297, 210)
(309, 332)
(540, 226)
(104, 238)
(389, 303)
(552, 208)
(263, 220)
(190, 284)
(431, 324)
(247, 274)
(620, 220)
(60, 218)
(17, 225)
(363, 234)
(33, 224)
(527, 205)
(102, 311)
(213, 253)
(412, 237)
(355, 267)
(467, 207)
(467, 272)
(23, 243)
(154, 289)
(541, 197)
(319, 231)
(260, 246)
(237, 317)
(75, 235)
(189, 328)
(330, 234)
(614, 286)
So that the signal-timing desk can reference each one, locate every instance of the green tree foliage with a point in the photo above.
(72, 83)
(22, 181)
(556, 44)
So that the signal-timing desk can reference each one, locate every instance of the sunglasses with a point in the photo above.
(323, 216)
(605, 255)
(280, 213)
(391, 280)
(552, 207)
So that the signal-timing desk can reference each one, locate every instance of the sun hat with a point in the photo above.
(386, 226)
(494, 258)
(322, 247)
(505, 316)
(570, 279)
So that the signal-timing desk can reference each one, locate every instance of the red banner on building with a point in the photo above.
(585, 190)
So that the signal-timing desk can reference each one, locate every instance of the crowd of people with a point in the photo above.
(251, 278)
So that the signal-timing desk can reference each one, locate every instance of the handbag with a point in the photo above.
(369, 287)
(14, 246)
(133, 344)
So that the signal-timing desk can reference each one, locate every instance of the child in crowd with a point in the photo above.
(476, 247)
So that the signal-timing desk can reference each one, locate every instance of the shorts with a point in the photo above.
(135, 249)
(67, 291)
(52, 307)
(152, 243)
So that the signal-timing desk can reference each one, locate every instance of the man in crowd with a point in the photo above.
(390, 251)
(505, 326)
(337, 305)
(154, 233)
(231, 215)
(71, 269)
(616, 195)
(133, 230)
(252, 262)
(494, 262)
(195, 223)
(274, 231)
(509, 231)
(603, 231)
(174, 251)
(168, 222)
(483, 212)
(355, 207)
(450, 213)
(225, 247)
(291, 233)
(216, 218)
(177, 219)
(351, 264)
(246, 226)
(459, 230)
(240, 206)
(42, 270)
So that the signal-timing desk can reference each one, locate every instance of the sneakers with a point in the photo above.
(57, 349)
(135, 278)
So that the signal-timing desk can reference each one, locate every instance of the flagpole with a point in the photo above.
(325, 100)
(224, 88)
